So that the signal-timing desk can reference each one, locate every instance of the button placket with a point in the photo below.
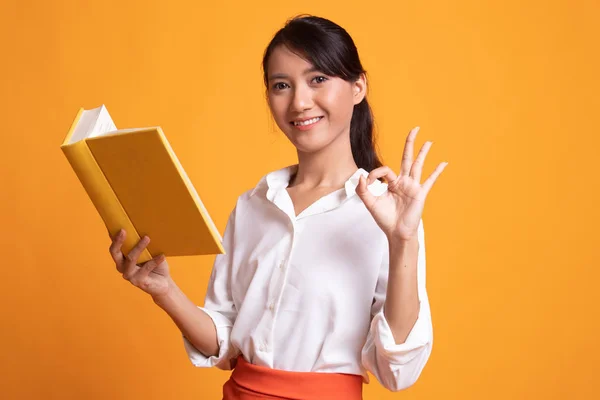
(276, 287)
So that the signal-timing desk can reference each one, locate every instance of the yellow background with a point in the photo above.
(507, 91)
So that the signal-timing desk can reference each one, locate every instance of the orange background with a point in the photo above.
(508, 92)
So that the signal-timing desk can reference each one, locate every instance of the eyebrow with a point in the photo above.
(284, 76)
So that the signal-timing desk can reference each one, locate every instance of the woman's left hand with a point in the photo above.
(398, 211)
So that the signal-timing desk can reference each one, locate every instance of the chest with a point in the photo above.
(310, 261)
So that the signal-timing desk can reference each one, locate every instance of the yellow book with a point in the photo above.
(136, 182)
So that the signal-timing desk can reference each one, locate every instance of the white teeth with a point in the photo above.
(307, 122)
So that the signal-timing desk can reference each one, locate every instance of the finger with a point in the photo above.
(146, 268)
(407, 155)
(131, 258)
(381, 172)
(417, 166)
(115, 247)
(363, 192)
(432, 178)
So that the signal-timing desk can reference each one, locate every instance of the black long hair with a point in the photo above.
(332, 51)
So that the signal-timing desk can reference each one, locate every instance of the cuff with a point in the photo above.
(221, 360)
(418, 338)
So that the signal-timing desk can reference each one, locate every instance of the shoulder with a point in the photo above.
(245, 202)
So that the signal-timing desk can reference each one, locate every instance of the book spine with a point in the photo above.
(102, 195)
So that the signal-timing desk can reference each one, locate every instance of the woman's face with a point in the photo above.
(297, 93)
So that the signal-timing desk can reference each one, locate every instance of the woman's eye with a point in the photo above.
(282, 85)
(279, 86)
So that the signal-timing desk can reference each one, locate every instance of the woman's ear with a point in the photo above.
(359, 88)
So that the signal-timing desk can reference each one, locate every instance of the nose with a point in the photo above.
(302, 99)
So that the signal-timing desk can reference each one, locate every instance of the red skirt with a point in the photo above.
(251, 382)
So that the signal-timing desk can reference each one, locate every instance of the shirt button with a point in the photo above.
(282, 264)
(271, 307)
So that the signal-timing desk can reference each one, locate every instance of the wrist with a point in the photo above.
(402, 243)
(163, 299)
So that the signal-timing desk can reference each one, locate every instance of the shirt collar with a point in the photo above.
(280, 179)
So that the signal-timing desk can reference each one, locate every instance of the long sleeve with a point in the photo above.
(219, 305)
(398, 366)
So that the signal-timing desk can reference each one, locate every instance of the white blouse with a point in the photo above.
(306, 293)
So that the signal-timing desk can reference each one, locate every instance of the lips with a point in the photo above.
(303, 121)
(308, 124)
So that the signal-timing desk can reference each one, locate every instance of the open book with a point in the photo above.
(136, 182)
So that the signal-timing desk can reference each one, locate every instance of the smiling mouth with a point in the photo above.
(307, 122)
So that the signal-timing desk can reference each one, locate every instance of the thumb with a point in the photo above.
(150, 265)
(159, 259)
(363, 192)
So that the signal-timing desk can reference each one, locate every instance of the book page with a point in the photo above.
(104, 123)
(93, 122)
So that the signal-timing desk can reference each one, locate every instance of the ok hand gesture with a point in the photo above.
(398, 211)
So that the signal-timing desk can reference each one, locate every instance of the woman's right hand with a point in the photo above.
(152, 276)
